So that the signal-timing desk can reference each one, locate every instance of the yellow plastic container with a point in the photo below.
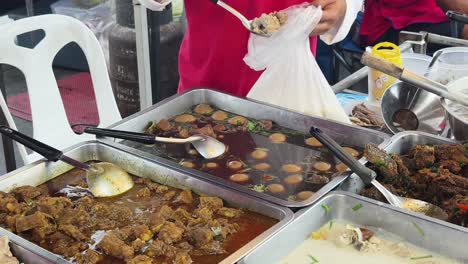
(378, 81)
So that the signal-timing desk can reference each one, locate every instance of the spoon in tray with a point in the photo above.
(104, 179)
(208, 147)
(368, 176)
(245, 22)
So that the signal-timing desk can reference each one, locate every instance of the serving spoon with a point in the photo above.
(245, 22)
(368, 176)
(208, 147)
(104, 179)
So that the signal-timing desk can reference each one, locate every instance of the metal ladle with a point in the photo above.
(245, 22)
(368, 176)
(208, 147)
(104, 179)
(412, 78)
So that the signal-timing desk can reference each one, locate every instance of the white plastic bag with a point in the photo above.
(292, 79)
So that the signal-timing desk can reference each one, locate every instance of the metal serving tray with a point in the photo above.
(400, 143)
(41, 172)
(27, 252)
(351, 135)
(441, 239)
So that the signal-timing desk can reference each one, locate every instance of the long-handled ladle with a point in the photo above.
(208, 147)
(104, 179)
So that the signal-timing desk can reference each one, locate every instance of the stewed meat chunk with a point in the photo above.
(113, 246)
(213, 203)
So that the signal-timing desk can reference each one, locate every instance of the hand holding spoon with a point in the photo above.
(245, 22)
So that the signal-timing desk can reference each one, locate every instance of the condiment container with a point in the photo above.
(378, 81)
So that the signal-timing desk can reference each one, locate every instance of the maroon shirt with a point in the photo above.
(381, 15)
(215, 44)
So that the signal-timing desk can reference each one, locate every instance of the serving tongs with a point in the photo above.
(368, 176)
(245, 22)
(208, 147)
(104, 179)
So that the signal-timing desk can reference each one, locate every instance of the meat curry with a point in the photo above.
(436, 174)
(151, 223)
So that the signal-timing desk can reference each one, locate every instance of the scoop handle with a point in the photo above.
(381, 65)
(132, 136)
(366, 174)
(47, 151)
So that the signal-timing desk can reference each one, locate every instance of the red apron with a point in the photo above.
(381, 15)
(215, 44)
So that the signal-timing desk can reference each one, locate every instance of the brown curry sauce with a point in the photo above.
(249, 224)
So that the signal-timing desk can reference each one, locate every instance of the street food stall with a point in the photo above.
(286, 187)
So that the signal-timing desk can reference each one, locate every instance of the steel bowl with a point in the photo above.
(406, 107)
(458, 122)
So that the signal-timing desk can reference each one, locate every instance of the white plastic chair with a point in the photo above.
(50, 123)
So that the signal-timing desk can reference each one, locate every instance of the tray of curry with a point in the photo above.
(270, 155)
(168, 216)
(424, 167)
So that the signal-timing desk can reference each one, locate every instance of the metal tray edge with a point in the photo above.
(324, 190)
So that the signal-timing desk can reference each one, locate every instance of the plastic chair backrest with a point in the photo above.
(50, 123)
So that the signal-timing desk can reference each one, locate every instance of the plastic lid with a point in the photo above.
(386, 50)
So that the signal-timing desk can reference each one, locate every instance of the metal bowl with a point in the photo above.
(406, 107)
(458, 123)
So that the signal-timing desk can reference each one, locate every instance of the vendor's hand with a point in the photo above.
(333, 13)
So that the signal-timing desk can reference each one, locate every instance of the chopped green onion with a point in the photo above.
(312, 259)
(462, 164)
(419, 229)
(327, 209)
(291, 198)
(422, 257)
(378, 163)
(250, 126)
(330, 225)
(357, 207)
(258, 187)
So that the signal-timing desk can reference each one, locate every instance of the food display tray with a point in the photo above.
(41, 172)
(27, 252)
(420, 231)
(346, 134)
(400, 143)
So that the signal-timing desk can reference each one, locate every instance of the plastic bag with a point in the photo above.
(98, 18)
(292, 78)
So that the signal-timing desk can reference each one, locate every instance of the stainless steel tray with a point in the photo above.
(439, 238)
(27, 252)
(41, 172)
(400, 143)
(351, 135)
